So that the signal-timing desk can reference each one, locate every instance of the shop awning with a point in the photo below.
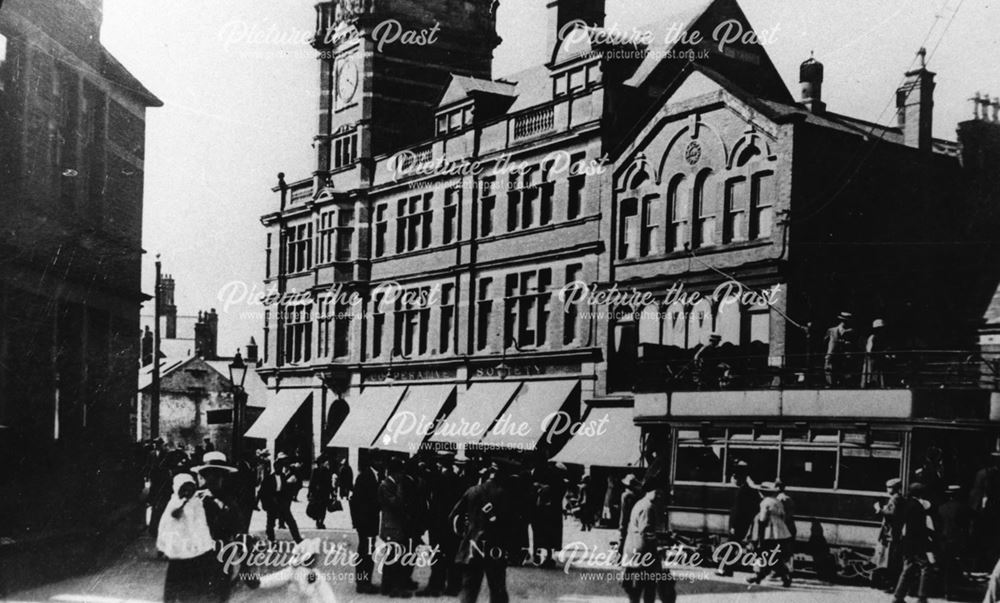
(475, 411)
(280, 409)
(367, 417)
(414, 418)
(616, 444)
(529, 415)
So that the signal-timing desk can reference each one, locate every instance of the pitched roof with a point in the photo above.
(462, 87)
(257, 392)
(115, 72)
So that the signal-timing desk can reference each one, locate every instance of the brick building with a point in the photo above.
(72, 135)
(636, 165)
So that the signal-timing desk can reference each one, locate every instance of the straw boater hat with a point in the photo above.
(214, 460)
(631, 481)
(768, 487)
(893, 483)
(715, 337)
(845, 316)
(878, 323)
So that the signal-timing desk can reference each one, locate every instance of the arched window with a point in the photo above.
(678, 195)
(703, 233)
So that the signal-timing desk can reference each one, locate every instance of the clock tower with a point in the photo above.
(384, 65)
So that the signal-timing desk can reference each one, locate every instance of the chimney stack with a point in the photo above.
(915, 106)
(252, 351)
(811, 79)
(147, 347)
(168, 309)
(206, 335)
(563, 12)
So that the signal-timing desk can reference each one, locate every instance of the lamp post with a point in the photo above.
(503, 370)
(390, 377)
(237, 375)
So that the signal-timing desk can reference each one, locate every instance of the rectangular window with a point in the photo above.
(345, 235)
(298, 248)
(378, 325)
(561, 85)
(298, 333)
(345, 150)
(325, 239)
(547, 190)
(413, 223)
(809, 467)
(341, 330)
(447, 328)
(527, 308)
(267, 334)
(324, 327)
(412, 322)
(678, 208)
(577, 183)
(652, 213)
(762, 211)
(267, 257)
(701, 463)
(442, 124)
(487, 207)
(452, 199)
(529, 199)
(733, 227)
(628, 229)
(760, 327)
(704, 226)
(513, 203)
(577, 79)
(381, 228)
(484, 311)
(571, 316)
(594, 74)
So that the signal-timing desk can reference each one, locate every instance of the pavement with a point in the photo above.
(137, 576)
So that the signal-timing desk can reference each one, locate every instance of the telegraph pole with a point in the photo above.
(154, 407)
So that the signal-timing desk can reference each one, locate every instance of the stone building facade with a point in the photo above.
(436, 268)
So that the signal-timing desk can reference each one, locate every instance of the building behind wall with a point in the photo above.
(72, 139)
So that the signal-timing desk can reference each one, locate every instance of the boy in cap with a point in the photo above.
(888, 556)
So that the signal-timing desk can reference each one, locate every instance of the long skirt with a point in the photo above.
(198, 579)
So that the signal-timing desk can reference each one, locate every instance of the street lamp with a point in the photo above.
(503, 370)
(237, 375)
(389, 375)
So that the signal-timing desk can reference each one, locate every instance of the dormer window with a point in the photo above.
(576, 79)
(454, 120)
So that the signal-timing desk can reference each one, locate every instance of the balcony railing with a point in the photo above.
(660, 370)
(534, 123)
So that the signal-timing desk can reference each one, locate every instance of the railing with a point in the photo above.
(534, 123)
(678, 370)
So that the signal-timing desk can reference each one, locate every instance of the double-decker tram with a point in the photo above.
(834, 449)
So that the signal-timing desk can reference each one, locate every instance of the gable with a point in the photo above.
(700, 124)
(718, 36)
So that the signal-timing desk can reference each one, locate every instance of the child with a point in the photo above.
(184, 538)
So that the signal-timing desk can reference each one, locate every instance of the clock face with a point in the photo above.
(346, 81)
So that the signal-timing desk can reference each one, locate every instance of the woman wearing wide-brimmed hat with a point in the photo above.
(183, 536)
(222, 512)
(772, 537)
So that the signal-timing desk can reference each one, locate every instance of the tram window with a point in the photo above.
(867, 470)
(809, 468)
(831, 436)
(795, 435)
(887, 438)
(700, 464)
(762, 462)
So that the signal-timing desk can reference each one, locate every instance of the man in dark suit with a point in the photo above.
(275, 497)
(393, 500)
(917, 542)
(446, 490)
(365, 519)
(485, 512)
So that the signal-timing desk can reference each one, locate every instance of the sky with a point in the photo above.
(238, 110)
